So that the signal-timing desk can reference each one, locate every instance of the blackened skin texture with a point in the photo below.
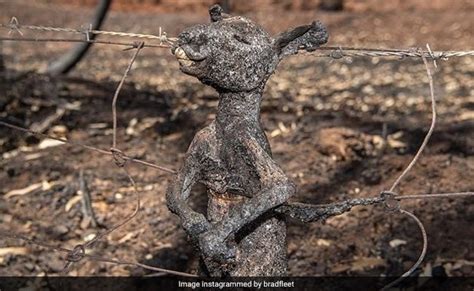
(242, 235)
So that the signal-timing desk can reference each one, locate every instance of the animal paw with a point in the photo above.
(216, 253)
(194, 224)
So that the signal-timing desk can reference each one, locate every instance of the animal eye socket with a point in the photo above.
(201, 40)
(241, 39)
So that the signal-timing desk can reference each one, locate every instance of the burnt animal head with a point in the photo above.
(234, 54)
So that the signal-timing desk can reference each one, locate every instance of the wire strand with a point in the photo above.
(93, 41)
(92, 257)
(15, 26)
(420, 258)
(430, 131)
(334, 52)
(117, 91)
(88, 147)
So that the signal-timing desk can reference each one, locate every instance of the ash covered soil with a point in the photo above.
(340, 129)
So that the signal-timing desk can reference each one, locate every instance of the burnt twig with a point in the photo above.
(87, 210)
(43, 125)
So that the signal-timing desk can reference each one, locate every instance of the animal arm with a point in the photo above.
(276, 189)
(178, 192)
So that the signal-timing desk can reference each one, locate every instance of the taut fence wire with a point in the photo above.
(335, 52)
(14, 26)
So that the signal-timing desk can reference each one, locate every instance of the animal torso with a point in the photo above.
(227, 167)
(231, 176)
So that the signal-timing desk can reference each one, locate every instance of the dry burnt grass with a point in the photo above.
(324, 119)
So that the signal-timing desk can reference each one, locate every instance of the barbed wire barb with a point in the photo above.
(14, 26)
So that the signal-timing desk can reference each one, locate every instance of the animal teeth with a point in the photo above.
(180, 54)
(185, 62)
(182, 57)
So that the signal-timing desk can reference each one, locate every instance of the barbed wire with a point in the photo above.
(334, 52)
(338, 52)
(15, 26)
(116, 43)
(428, 134)
(117, 155)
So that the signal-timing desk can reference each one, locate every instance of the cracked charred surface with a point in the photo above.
(242, 235)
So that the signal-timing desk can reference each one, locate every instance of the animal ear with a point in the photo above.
(306, 37)
(215, 12)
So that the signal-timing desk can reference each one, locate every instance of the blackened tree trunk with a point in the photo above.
(68, 61)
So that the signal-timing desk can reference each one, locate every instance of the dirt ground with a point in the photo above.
(339, 128)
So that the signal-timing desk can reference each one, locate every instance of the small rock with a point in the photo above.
(29, 266)
(59, 129)
(371, 176)
(54, 175)
(7, 218)
(47, 143)
(55, 264)
(60, 230)
(89, 237)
